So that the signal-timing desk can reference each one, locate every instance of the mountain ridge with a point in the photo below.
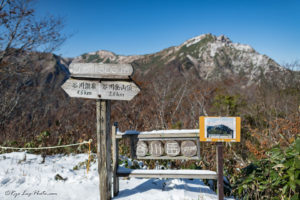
(207, 56)
(180, 83)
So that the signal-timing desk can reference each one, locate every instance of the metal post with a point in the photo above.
(104, 148)
(220, 160)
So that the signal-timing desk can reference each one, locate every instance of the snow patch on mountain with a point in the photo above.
(242, 47)
(213, 57)
(214, 47)
(194, 40)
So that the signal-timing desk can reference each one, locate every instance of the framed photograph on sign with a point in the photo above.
(220, 129)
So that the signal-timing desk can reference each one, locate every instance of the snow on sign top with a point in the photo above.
(99, 70)
(132, 132)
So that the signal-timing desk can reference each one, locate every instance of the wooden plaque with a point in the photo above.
(220, 129)
(156, 148)
(141, 149)
(99, 70)
(172, 148)
(188, 148)
(118, 90)
(82, 88)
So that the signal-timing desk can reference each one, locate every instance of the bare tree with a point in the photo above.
(20, 31)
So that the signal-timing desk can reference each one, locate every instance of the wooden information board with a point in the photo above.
(220, 129)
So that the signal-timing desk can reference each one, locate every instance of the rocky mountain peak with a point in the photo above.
(209, 37)
(206, 56)
(223, 38)
(175, 79)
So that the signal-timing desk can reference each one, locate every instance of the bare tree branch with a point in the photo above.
(20, 31)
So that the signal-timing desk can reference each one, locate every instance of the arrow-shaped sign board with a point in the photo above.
(100, 71)
(82, 88)
(110, 90)
(118, 90)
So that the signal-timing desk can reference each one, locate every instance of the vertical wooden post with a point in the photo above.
(198, 148)
(115, 154)
(104, 148)
(133, 139)
(220, 160)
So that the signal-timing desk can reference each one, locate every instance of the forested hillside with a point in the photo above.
(206, 75)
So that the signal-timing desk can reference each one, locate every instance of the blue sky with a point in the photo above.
(128, 27)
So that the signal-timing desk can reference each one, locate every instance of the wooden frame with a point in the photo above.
(138, 173)
(237, 130)
(134, 136)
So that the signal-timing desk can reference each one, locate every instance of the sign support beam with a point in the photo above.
(103, 82)
(220, 181)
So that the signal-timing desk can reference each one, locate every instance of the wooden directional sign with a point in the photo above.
(101, 71)
(82, 88)
(110, 90)
(118, 90)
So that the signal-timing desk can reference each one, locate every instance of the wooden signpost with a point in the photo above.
(103, 82)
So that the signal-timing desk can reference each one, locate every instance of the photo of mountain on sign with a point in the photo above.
(221, 131)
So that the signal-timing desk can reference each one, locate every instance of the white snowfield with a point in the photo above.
(25, 177)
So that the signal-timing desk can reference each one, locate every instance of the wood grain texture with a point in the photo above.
(141, 149)
(220, 161)
(172, 148)
(109, 90)
(133, 141)
(118, 90)
(158, 136)
(82, 88)
(104, 148)
(169, 158)
(201, 174)
(101, 71)
(115, 156)
(156, 148)
(188, 148)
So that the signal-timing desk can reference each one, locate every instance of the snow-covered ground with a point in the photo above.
(24, 176)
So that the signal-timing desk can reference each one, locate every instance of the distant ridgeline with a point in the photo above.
(220, 130)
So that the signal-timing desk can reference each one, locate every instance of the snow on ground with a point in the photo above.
(24, 176)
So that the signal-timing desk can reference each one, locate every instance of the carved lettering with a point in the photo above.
(156, 148)
(141, 149)
(188, 148)
(172, 148)
(98, 70)
(82, 88)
